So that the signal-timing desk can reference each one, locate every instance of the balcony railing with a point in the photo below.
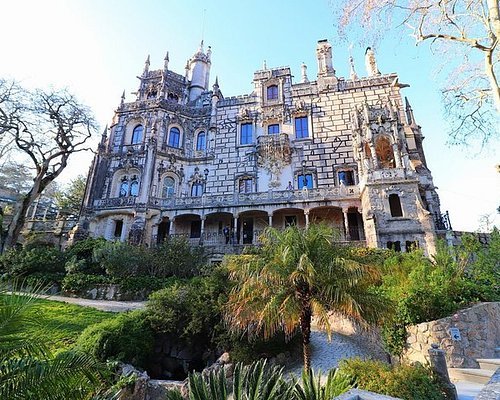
(258, 198)
(115, 202)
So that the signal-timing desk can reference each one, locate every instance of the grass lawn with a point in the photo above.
(61, 323)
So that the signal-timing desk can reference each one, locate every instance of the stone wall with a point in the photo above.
(479, 329)
(111, 292)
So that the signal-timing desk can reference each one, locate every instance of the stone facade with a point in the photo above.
(181, 159)
(479, 333)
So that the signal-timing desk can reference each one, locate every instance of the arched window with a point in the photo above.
(272, 92)
(134, 187)
(123, 187)
(395, 205)
(174, 137)
(197, 189)
(137, 134)
(168, 190)
(201, 141)
(385, 155)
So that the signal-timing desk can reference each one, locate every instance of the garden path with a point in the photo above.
(104, 305)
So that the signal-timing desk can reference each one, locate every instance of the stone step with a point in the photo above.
(470, 374)
(489, 363)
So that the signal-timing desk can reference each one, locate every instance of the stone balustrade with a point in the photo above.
(257, 198)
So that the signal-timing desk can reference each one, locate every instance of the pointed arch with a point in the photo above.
(384, 152)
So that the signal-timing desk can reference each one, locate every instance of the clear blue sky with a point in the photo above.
(96, 48)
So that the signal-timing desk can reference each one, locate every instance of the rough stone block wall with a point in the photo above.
(479, 330)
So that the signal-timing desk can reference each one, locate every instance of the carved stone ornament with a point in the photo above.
(273, 154)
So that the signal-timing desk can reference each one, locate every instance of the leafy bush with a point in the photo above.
(127, 338)
(190, 311)
(425, 290)
(177, 257)
(25, 261)
(80, 256)
(404, 381)
(78, 282)
(123, 260)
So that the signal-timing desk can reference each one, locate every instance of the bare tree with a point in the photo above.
(47, 128)
(467, 31)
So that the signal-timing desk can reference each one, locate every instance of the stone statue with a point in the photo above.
(371, 63)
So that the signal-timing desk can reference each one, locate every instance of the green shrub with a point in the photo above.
(178, 257)
(123, 260)
(406, 382)
(23, 262)
(127, 338)
(78, 282)
(425, 290)
(188, 310)
(80, 256)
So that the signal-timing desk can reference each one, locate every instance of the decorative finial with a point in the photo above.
(209, 52)
(104, 135)
(353, 74)
(264, 66)
(371, 62)
(146, 65)
(166, 60)
(201, 46)
(216, 84)
(304, 78)
(123, 98)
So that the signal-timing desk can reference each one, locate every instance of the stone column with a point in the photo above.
(306, 215)
(438, 364)
(346, 223)
(172, 226)
(270, 219)
(202, 231)
(235, 230)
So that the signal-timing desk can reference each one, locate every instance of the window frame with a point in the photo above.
(198, 192)
(303, 128)
(300, 181)
(137, 134)
(395, 206)
(171, 142)
(200, 135)
(273, 127)
(272, 92)
(245, 183)
(244, 127)
(167, 194)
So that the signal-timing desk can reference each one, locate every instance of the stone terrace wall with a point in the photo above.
(479, 330)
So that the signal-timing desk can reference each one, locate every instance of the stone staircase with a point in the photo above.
(481, 375)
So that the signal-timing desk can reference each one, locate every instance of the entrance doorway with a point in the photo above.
(246, 229)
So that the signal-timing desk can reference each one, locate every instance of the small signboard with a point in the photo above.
(455, 334)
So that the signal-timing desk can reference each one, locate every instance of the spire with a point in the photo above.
(409, 112)
(146, 66)
(122, 98)
(216, 84)
(304, 78)
(104, 135)
(371, 62)
(353, 74)
(201, 46)
(166, 60)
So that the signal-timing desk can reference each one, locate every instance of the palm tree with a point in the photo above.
(299, 273)
(27, 368)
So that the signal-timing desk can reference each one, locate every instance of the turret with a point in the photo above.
(199, 72)
(304, 78)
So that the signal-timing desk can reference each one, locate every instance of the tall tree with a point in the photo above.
(299, 273)
(466, 31)
(47, 128)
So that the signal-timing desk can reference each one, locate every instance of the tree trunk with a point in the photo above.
(17, 222)
(305, 327)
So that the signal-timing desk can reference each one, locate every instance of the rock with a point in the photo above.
(225, 358)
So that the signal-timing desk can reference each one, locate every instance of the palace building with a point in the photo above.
(182, 159)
